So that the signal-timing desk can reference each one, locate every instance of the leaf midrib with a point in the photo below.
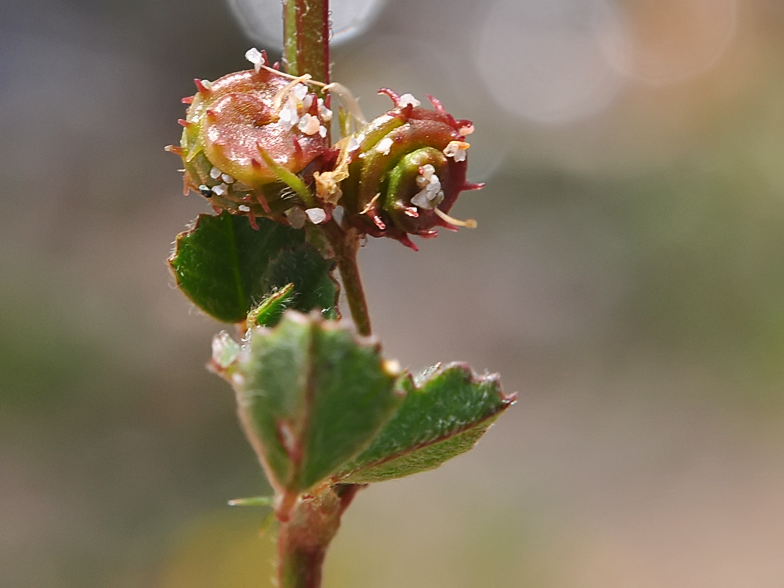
(427, 443)
(241, 297)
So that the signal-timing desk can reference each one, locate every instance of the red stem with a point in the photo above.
(303, 538)
(346, 245)
(306, 38)
(312, 521)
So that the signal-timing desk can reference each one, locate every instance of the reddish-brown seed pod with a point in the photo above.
(406, 169)
(243, 132)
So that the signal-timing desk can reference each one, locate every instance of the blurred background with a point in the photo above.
(627, 279)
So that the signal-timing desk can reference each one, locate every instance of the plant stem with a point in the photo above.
(303, 538)
(346, 245)
(306, 38)
(306, 531)
(306, 50)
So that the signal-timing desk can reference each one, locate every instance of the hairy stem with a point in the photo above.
(304, 537)
(307, 529)
(306, 50)
(306, 38)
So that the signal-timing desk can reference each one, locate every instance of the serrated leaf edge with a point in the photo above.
(314, 320)
(190, 229)
(507, 400)
(195, 224)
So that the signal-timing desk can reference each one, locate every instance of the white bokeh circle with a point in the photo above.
(261, 19)
(544, 60)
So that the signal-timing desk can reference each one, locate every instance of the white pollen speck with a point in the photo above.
(255, 57)
(215, 173)
(407, 99)
(227, 178)
(322, 131)
(456, 149)
(430, 194)
(307, 102)
(300, 91)
(244, 208)
(324, 112)
(384, 145)
(316, 215)
(466, 130)
(220, 190)
(420, 200)
(353, 144)
(288, 117)
(309, 124)
(237, 379)
(296, 217)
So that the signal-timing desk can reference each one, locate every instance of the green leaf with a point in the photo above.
(226, 267)
(311, 396)
(444, 414)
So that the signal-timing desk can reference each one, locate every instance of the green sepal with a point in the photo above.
(311, 396)
(445, 412)
(226, 267)
(268, 313)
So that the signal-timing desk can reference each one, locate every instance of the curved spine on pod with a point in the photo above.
(406, 169)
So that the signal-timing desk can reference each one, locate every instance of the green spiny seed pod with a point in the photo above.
(405, 169)
(245, 136)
